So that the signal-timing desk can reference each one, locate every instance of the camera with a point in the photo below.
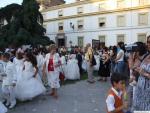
(131, 48)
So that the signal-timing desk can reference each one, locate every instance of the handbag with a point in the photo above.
(61, 76)
(93, 61)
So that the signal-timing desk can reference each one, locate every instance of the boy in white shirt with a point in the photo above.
(9, 81)
(114, 99)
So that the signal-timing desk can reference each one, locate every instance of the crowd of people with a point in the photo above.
(24, 73)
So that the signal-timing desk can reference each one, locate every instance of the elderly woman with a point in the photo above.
(142, 92)
(51, 69)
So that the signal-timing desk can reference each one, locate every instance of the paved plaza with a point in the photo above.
(80, 97)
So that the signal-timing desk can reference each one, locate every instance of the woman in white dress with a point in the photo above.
(51, 68)
(72, 68)
(29, 86)
(19, 63)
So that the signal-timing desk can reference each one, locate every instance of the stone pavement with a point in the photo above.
(80, 97)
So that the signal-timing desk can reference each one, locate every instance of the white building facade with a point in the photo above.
(108, 21)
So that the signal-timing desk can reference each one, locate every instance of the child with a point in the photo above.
(9, 81)
(114, 99)
(3, 109)
(29, 86)
(1, 65)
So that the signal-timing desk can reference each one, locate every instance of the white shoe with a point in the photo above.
(12, 105)
(7, 103)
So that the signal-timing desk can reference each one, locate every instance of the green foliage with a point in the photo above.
(24, 25)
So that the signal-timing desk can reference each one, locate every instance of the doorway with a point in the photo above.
(61, 42)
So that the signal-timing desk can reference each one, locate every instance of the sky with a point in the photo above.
(6, 2)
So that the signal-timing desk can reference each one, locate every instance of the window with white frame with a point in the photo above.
(120, 38)
(143, 2)
(102, 22)
(102, 6)
(121, 20)
(80, 10)
(143, 18)
(120, 3)
(142, 37)
(80, 24)
(60, 13)
(102, 39)
(60, 26)
(80, 41)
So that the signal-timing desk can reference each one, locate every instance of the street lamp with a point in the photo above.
(72, 25)
(70, 42)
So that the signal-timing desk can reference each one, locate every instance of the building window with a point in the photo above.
(80, 41)
(60, 13)
(120, 38)
(120, 3)
(142, 38)
(102, 6)
(102, 22)
(102, 39)
(80, 24)
(121, 21)
(80, 10)
(143, 19)
(143, 2)
(60, 26)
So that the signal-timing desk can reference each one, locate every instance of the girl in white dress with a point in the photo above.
(72, 68)
(97, 58)
(63, 63)
(29, 86)
(51, 68)
(19, 63)
(40, 63)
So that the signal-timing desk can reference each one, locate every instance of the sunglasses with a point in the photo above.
(122, 82)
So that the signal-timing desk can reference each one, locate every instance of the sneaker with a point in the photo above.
(91, 82)
(12, 105)
(7, 103)
(100, 79)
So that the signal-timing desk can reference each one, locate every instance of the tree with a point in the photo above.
(24, 25)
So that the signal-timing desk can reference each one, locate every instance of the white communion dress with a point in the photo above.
(97, 58)
(72, 68)
(40, 63)
(19, 63)
(28, 86)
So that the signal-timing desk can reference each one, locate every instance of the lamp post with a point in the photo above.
(70, 42)
(71, 25)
